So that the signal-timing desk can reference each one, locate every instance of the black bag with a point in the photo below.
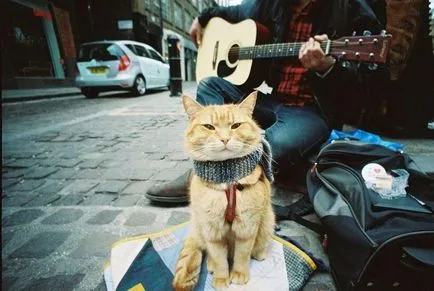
(373, 243)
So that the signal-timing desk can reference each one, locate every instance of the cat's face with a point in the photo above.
(221, 132)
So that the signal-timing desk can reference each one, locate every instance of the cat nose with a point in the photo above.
(225, 141)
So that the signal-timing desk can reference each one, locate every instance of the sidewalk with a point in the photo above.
(19, 95)
(16, 95)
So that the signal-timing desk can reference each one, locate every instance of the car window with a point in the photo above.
(141, 51)
(131, 48)
(100, 52)
(156, 56)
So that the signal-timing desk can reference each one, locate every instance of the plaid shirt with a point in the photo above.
(293, 88)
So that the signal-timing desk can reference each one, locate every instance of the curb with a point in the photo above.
(37, 97)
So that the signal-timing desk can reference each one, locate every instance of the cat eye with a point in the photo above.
(235, 125)
(209, 126)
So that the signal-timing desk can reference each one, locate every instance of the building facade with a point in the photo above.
(40, 38)
(38, 48)
(176, 19)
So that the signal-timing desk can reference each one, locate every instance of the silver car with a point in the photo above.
(115, 65)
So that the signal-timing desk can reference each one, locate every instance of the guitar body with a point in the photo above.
(214, 58)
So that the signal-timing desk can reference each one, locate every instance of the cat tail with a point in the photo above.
(188, 266)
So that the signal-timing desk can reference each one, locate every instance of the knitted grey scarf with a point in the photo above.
(235, 169)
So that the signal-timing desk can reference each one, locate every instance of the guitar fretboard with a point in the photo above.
(270, 50)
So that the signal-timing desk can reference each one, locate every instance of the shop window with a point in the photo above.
(26, 42)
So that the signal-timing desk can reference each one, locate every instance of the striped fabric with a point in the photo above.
(136, 265)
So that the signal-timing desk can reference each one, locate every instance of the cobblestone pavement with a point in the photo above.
(74, 174)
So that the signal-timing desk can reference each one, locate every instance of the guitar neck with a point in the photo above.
(272, 50)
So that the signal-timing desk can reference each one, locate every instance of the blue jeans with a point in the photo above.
(292, 131)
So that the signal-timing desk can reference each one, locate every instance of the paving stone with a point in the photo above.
(141, 218)
(96, 244)
(90, 164)
(178, 217)
(99, 199)
(27, 185)
(137, 187)
(104, 217)
(40, 172)
(63, 216)
(111, 187)
(22, 217)
(22, 163)
(88, 174)
(8, 282)
(67, 163)
(52, 186)
(127, 173)
(64, 282)
(101, 286)
(9, 182)
(69, 155)
(167, 175)
(70, 200)
(126, 200)
(79, 186)
(66, 173)
(43, 200)
(16, 200)
(11, 173)
(22, 154)
(6, 237)
(41, 245)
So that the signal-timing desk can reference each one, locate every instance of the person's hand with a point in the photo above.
(196, 32)
(313, 57)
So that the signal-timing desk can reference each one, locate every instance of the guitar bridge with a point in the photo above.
(214, 59)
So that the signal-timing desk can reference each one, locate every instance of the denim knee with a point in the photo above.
(206, 91)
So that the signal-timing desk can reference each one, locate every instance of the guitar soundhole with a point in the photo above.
(233, 54)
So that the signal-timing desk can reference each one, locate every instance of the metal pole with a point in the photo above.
(161, 26)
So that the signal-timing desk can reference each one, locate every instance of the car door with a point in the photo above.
(163, 68)
(147, 65)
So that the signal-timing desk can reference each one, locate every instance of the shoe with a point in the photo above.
(175, 191)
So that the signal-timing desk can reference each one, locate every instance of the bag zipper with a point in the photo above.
(386, 243)
(321, 152)
(332, 188)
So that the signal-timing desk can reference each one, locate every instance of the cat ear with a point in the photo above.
(191, 107)
(249, 102)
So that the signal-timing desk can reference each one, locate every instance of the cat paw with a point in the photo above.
(240, 278)
(260, 255)
(179, 285)
(184, 282)
(220, 283)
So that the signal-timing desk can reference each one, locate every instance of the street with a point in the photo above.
(75, 171)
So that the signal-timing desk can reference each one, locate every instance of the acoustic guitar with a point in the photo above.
(239, 52)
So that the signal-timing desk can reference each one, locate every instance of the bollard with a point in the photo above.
(173, 43)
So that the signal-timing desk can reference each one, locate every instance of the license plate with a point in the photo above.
(99, 70)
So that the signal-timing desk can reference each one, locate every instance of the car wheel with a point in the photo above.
(89, 92)
(139, 87)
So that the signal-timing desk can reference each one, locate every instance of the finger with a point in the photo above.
(321, 38)
(199, 36)
(302, 50)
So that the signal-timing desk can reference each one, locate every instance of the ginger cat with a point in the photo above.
(220, 133)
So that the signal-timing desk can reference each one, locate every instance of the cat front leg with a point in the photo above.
(218, 253)
(241, 270)
(263, 238)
